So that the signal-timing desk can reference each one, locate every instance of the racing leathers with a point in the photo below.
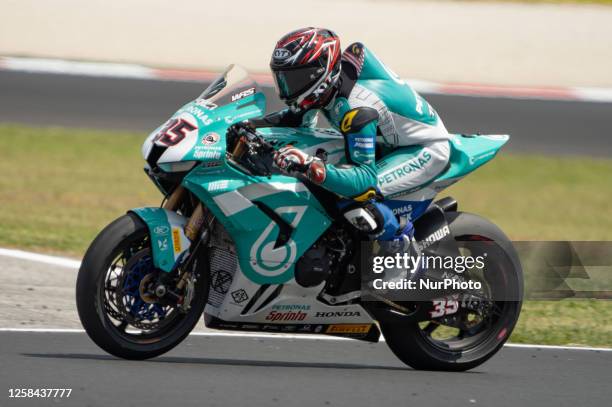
(377, 113)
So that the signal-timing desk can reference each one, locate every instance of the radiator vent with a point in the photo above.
(223, 265)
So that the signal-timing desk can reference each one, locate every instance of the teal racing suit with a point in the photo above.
(377, 113)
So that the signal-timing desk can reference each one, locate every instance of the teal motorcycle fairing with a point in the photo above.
(468, 152)
(272, 220)
(243, 204)
(166, 230)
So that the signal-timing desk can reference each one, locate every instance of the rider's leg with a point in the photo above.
(407, 168)
(377, 221)
(402, 170)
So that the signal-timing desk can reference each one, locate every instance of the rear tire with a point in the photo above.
(421, 351)
(128, 234)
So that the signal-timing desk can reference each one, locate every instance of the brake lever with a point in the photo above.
(257, 146)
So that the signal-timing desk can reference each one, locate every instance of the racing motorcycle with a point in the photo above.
(252, 249)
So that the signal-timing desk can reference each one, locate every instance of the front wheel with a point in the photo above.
(117, 312)
(470, 337)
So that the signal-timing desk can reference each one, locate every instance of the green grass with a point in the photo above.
(567, 322)
(59, 187)
(541, 198)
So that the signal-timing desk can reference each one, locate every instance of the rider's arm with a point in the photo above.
(359, 174)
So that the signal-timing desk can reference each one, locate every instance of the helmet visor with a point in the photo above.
(291, 83)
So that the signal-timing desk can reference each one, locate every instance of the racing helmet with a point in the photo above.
(305, 65)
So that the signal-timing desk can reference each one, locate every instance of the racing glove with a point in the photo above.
(292, 160)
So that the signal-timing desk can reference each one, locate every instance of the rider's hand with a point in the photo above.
(290, 159)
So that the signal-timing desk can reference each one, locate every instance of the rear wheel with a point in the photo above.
(117, 311)
(474, 334)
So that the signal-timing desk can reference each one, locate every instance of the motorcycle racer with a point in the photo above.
(234, 240)
(375, 111)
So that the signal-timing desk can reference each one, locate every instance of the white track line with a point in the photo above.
(70, 263)
(40, 258)
(534, 346)
(135, 71)
(257, 335)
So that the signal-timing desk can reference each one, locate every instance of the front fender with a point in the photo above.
(168, 240)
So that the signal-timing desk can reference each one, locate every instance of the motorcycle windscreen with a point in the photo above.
(234, 85)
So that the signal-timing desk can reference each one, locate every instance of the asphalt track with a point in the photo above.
(536, 126)
(222, 371)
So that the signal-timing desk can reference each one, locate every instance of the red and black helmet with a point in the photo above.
(306, 65)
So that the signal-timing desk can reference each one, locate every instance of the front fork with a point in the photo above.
(175, 240)
(198, 218)
(195, 222)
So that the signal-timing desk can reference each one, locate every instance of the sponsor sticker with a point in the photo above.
(337, 314)
(481, 156)
(401, 210)
(210, 138)
(338, 107)
(347, 121)
(220, 281)
(174, 131)
(240, 296)
(286, 316)
(291, 307)
(417, 164)
(211, 164)
(206, 104)
(161, 230)
(217, 185)
(281, 54)
(197, 111)
(243, 94)
(497, 137)
(162, 244)
(349, 329)
(207, 154)
(176, 240)
(434, 237)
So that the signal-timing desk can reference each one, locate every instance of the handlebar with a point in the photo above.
(251, 151)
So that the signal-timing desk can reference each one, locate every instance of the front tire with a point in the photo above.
(414, 343)
(109, 303)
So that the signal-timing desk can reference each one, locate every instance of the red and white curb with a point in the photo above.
(75, 264)
(134, 71)
(112, 70)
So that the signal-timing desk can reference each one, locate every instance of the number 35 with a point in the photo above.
(444, 307)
